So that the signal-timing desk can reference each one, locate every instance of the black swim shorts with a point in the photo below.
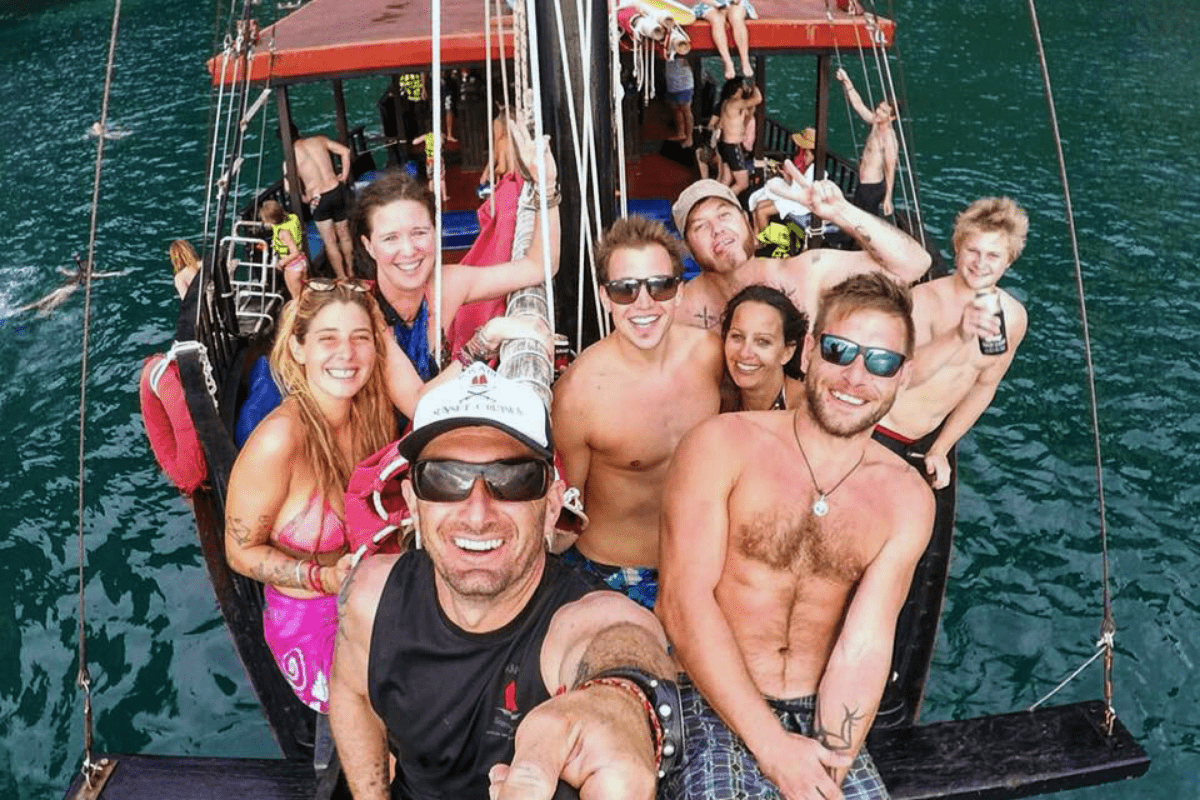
(334, 204)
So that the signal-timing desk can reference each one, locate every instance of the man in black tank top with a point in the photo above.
(459, 655)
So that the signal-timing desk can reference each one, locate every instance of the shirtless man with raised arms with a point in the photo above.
(738, 99)
(877, 166)
(718, 233)
(327, 195)
(789, 539)
(622, 407)
(953, 381)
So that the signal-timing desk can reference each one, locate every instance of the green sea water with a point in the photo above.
(1023, 608)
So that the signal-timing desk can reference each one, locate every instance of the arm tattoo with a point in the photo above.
(841, 739)
(243, 533)
(343, 602)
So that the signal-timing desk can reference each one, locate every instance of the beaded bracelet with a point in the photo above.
(634, 689)
(314, 577)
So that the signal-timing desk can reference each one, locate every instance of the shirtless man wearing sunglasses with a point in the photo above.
(486, 662)
(718, 234)
(622, 407)
(789, 539)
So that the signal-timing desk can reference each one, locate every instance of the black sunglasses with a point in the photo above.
(625, 291)
(513, 480)
(877, 360)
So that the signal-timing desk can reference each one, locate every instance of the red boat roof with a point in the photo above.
(327, 39)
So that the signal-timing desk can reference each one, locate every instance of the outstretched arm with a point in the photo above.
(598, 737)
(852, 95)
(852, 684)
(976, 401)
(883, 245)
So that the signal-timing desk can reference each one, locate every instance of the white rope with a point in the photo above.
(618, 95)
(914, 203)
(1101, 646)
(435, 78)
(837, 54)
(535, 78)
(585, 239)
(487, 27)
(212, 158)
(585, 35)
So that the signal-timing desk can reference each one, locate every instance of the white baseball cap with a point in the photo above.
(480, 396)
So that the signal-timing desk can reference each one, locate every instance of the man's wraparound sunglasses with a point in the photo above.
(513, 480)
(625, 291)
(360, 285)
(877, 360)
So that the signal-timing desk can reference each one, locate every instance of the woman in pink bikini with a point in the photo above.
(284, 510)
(284, 514)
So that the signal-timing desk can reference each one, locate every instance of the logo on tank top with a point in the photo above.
(506, 716)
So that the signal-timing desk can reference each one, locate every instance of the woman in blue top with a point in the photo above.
(393, 219)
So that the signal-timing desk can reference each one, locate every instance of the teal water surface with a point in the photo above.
(1024, 604)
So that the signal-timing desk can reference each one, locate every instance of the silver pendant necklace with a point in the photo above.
(820, 506)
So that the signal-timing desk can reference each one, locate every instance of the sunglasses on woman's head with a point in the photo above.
(360, 285)
(625, 290)
(512, 480)
(878, 361)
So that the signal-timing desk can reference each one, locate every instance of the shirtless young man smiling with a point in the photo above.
(622, 407)
(953, 381)
(717, 232)
(785, 564)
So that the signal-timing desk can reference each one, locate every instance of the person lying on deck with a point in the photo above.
(621, 408)
(784, 566)
(954, 380)
(491, 668)
(717, 232)
(393, 220)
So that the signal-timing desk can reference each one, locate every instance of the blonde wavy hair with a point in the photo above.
(372, 418)
(183, 255)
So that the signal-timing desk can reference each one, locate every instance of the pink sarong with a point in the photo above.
(301, 632)
(492, 246)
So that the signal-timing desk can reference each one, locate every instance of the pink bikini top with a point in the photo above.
(319, 517)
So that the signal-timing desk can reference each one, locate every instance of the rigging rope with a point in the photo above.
(890, 94)
(539, 143)
(837, 54)
(586, 255)
(435, 144)
(491, 107)
(585, 36)
(618, 102)
(1108, 626)
(90, 769)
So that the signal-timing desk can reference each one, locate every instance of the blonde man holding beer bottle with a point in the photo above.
(968, 331)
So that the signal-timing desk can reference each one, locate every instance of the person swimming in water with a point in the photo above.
(72, 280)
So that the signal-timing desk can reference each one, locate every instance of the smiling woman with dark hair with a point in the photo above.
(762, 331)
